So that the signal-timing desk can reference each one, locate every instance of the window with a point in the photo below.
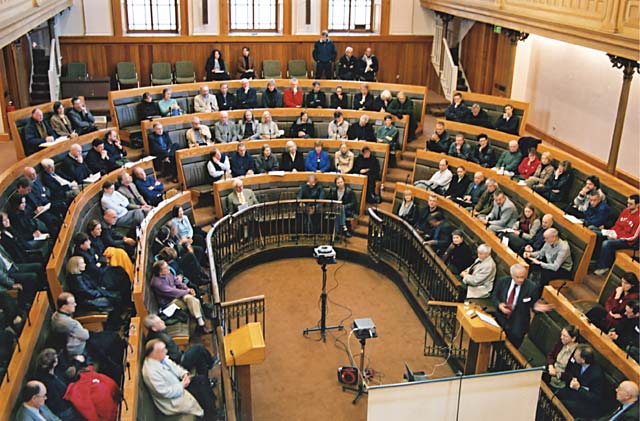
(351, 15)
(152, 15)
(253, 15)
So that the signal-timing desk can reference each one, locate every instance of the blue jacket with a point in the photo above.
(600, 215)
(248, 100)
(324, 52)
(311, 163)
(152, 196)
(241, 164)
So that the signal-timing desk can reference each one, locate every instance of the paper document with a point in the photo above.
(573, 219)
(92, 178)
(487, 319)
(278, 173)
(170, 310)
(43, 210)
(148, 158)
(42, 236)
(610, 234)
(55, 142)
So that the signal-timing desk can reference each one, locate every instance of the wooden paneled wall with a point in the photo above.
(403, 59)
(488, 60)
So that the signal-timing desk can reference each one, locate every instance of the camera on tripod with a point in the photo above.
(325, 255)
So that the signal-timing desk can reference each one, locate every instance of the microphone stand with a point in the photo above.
(323, 315)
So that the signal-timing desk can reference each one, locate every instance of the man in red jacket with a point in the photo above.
(292, 97)
(623, 235)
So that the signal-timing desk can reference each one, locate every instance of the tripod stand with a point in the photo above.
(360, 390)
(323, 318)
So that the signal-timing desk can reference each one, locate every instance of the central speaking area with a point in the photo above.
(298, 379)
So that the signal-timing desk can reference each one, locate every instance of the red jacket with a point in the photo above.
(95, 396)
(617, 306)
(627, 226)
(526, 168)
(290, 100)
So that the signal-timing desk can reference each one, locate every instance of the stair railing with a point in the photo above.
(54, 70)
(449, 74)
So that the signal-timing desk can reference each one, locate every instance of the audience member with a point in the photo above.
(147, 109)
(187, 231)
(205, 102)
(226, 100)
(215, 68)
(623, 235)
(241, 162)
(367, 164)
(293, 96)
(62, 190)
(317, 159)
(553, 259)
(584, 391)
(529, 164)
(408, 210)
(344, 159)
(483, 153)
(609, 316)
(60, 123)
(129, 190)
(508, 122)
(22, 278)
(503, 214)
(422, 222)
(271, 96)
(162, 147)
(439, 141)
(241, 198)
(440, 236)
(115, 256)
(37, 132)
(388, 134)
(266, 162)
(556, 188)
(218, 166)
(456, 111)
(458, 255)
(598, 214)
(268, 129)
(342, 193)
(46, 364)
(473, 193)
(524, 229)
(225, 130)
(151, 189)
(339, 100)
(98, 159)
(245, 66)
(95, 395)
(36, 207)
(478, 278)
(324, 54)
(347, 66)
(478, 117)
(459, 184)
(362, 131)
(382, 102)
(338, 127)
(246, 96)
(21, 247)
(25, 226)
(114, 147)
(291, 159)
(113, 238)
(401, 106)
(198, 134)
(42, 195)
(33, 397)
(315, 98)
(81, 118)
(581, 201)
(626, 333)
(92, 294)
(311, 190)
(558, 357)
(544, 171)
(627, 397)
(509, 160)
(460, 149)
(248, 127)
(439, 181)
(129, 214)
(303, 127)
(363, 100)
(368, 66)
(168, 106)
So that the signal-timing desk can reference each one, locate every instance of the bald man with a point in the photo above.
(33, 408)
(73, 166)
(198, 134)
(627, 396)
(553, 259)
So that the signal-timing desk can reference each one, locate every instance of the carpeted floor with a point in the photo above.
(298, 380)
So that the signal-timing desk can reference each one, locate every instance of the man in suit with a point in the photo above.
(473, 192)
(198, 134)
(515, 297)
(240, 198)
(36, 203)
(441, 230)
(242, 163)
(62, 190)
(478, 278)
(73, 166)
(173, 390)
(502, 215)
(37, 131)
(627, 396)
(81, 118)
(33, 408)
(225, 131)
(226, 100)
(43, 192)
(245, 65)
(459, 184)
(98, 159)
(204, 102)
(583, 394)
(161, 146)
(507, 122)
(129, 190)
(246, 96)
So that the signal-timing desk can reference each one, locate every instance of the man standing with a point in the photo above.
(324, 54)
(33, 408)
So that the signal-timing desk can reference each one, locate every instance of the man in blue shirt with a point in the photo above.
(242, 162)
(161, 146)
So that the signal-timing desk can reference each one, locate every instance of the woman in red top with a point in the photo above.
(292, 97)
(609, 316)
(529, 164)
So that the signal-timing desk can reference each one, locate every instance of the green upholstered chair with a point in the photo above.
(161, 74)
(126, 75)
(77, 70)
(271, 69)
(185, 72)
(297, 69)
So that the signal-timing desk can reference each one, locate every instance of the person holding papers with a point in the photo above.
(129, 215)
(241, 198)
(38, 206)
(73, 166)
(37, 132)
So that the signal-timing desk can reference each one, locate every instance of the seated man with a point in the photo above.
(98, 159)
(173, 390)
(401, 106)
(422, 222)
(598, 215)
(198, 134)
(478, 117)
(483, 153)
(338, 127)
(25, 279)
(515, 296)
(114, 147)
(367, 164)
(347, 65)
(478, 278)
(113, 238)
(623, 235)
(317, 159)
(363, 100)
(241, 198)
(440, 236)
(241, 162)
(581, 201)
(81, 118)
(439, 141)
(226, 100)
(161, 146)
(509, 160)
(583, 395)
(147, 109)
(36, 132)
(388, 134)
(293, 96)
(553, 259)
(36, 205)
(508, 122)
(460, 149)
(63, 323)
(129, 190)
(456, 111)
(246, 96)
(195, 357)
(368, 66)
(73, 166)
(316, 98)
(33, 397)
(61, 189)
(536, 242)
(486, 200)
(627, 396)
(362, 131)
(459, 184)
(219, 165)
(439, 181)
(503, 214)
(129, 215)
(473, 192)
(205, 102)
(225, 130)
(245, 66)
(42, 195)
(625, 333)
(266, 161)
(151, 189)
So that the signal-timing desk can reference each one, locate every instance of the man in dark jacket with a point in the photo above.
(246, 96)
(508, 122)
(362, 130)
(347, 66)
(366, 164)
(161, 146)
(226, 100)
(456, 111)
(62, 190)
(583, 394)
(314, 191)
(478, 117)
(459, 183)
(73, 166)
(36, 132)
(441, 230)
(98, 159)
(324, 54)
(81, 118)
(241, 162)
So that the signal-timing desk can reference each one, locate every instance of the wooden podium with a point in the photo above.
(247, 346)
(481, 334)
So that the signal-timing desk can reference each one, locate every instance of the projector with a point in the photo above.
(325, 255)
(364, 329)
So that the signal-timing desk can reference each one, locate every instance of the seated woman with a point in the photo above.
(60, 123)
(114, 256)
(581, 201)
(609, 316)
(21, 250)
(529, 164)
(215, 67)
(170, 289)
(382, 102)
(292, 160)
(187, 259)
(185, 229)
(544, 171)
(458, 255)
(556, 189)
(343, 193)
(408, 210)
(267, 129)
(524, 229)
(317, 159)
(343, 159)
(559, 356)
(339, 99)
(303, 127)
(248, 127)
(90, 294)
(271, 96)
(24, 226)
(168, 106)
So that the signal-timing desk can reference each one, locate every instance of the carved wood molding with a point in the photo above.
(611, 26)
(17, 17)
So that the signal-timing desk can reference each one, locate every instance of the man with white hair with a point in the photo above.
(246, 96)
(439, 181)
(362, 131)
(205, 102)
(293, 96)
(198, 134)
(627, 397)
(240, 198)
(61, 188)
(37, 131)
(347, 65)
(478, 278)
(368, 66)
(73, 166)
(509, 160)
(363, 100)
(225, 130)
(553, 259)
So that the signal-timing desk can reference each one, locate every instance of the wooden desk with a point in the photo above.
(481, 335)
(91, 88)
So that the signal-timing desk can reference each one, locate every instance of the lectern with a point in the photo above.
(243, 348)
(481, 332)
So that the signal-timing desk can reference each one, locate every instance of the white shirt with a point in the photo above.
(441, 179)
(115, 201)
